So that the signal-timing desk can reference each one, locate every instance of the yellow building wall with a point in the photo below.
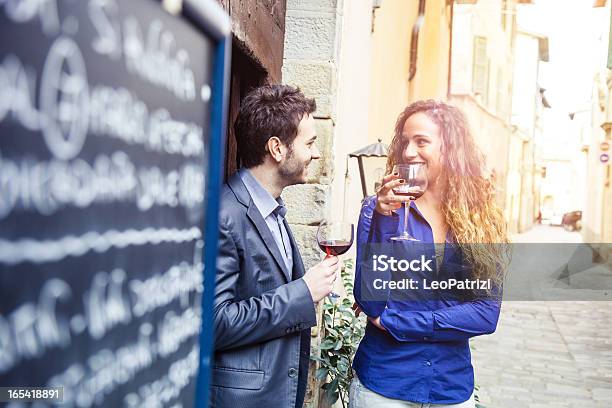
(390, 90)
(431, 80)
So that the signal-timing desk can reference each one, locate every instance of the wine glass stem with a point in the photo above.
(406, 214)
(333, 293)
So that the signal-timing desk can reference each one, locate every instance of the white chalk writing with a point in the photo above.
(156, 61)
(64, 96)
(33, 328)
(160, 290)
(160, 392)
(40, 251)
(173, 330)
(17, 89)
(84, 157)
(68, 111)
(87, 385)
(103, 15)
(48, 186)
(105, 305)
(24, 11)
(117, 113)
(105, 371)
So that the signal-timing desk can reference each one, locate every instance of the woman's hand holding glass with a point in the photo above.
(407, 182)
(386, 200)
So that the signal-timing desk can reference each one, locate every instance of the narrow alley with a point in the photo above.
(547, 353)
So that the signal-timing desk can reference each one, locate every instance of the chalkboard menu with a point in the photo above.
(111, 115)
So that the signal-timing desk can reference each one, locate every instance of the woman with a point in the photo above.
(416, 346)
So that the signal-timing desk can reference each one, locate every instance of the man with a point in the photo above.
(264, 301)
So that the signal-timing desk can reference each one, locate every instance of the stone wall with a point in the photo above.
(310, 61)
(312, 28)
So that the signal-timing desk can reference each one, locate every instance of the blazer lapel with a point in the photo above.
(268, 239)
(261, 226)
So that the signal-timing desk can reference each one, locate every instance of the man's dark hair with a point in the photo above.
(270, 110)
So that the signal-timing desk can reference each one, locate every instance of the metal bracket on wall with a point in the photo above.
(375, 6)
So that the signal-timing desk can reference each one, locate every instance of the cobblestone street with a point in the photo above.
(547, 354)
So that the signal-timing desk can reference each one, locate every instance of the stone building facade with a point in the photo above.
(327, 55)
(311, 62)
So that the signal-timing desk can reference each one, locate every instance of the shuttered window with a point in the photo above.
(480, 71)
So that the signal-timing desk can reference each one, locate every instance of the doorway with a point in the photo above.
(246, 74)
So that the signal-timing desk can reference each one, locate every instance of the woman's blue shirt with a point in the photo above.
(424, 356)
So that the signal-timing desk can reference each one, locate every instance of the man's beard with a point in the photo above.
(292, 171)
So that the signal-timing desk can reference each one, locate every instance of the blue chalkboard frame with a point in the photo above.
(208, 16)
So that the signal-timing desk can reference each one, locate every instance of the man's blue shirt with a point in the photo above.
(266, 204)
(424, 356)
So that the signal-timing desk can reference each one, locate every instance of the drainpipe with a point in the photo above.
(414, 41)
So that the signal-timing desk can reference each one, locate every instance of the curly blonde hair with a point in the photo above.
(475, 221)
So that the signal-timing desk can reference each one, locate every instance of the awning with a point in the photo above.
(374, 150)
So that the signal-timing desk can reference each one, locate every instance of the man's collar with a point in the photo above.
(261, 197)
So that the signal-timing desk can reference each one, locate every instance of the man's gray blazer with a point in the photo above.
(262, 312)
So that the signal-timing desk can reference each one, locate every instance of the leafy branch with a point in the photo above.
(341, 334)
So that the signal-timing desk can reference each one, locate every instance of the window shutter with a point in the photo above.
(480, 69)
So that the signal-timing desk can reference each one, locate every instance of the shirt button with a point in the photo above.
(293, 372)
(428, 363)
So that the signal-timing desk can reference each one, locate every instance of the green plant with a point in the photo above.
(340, 336)
(476, 398)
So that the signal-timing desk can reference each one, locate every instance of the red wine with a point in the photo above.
(334, 247)
(412, 192)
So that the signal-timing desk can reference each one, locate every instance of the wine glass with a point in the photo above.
(335, 238)
(415, 176)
